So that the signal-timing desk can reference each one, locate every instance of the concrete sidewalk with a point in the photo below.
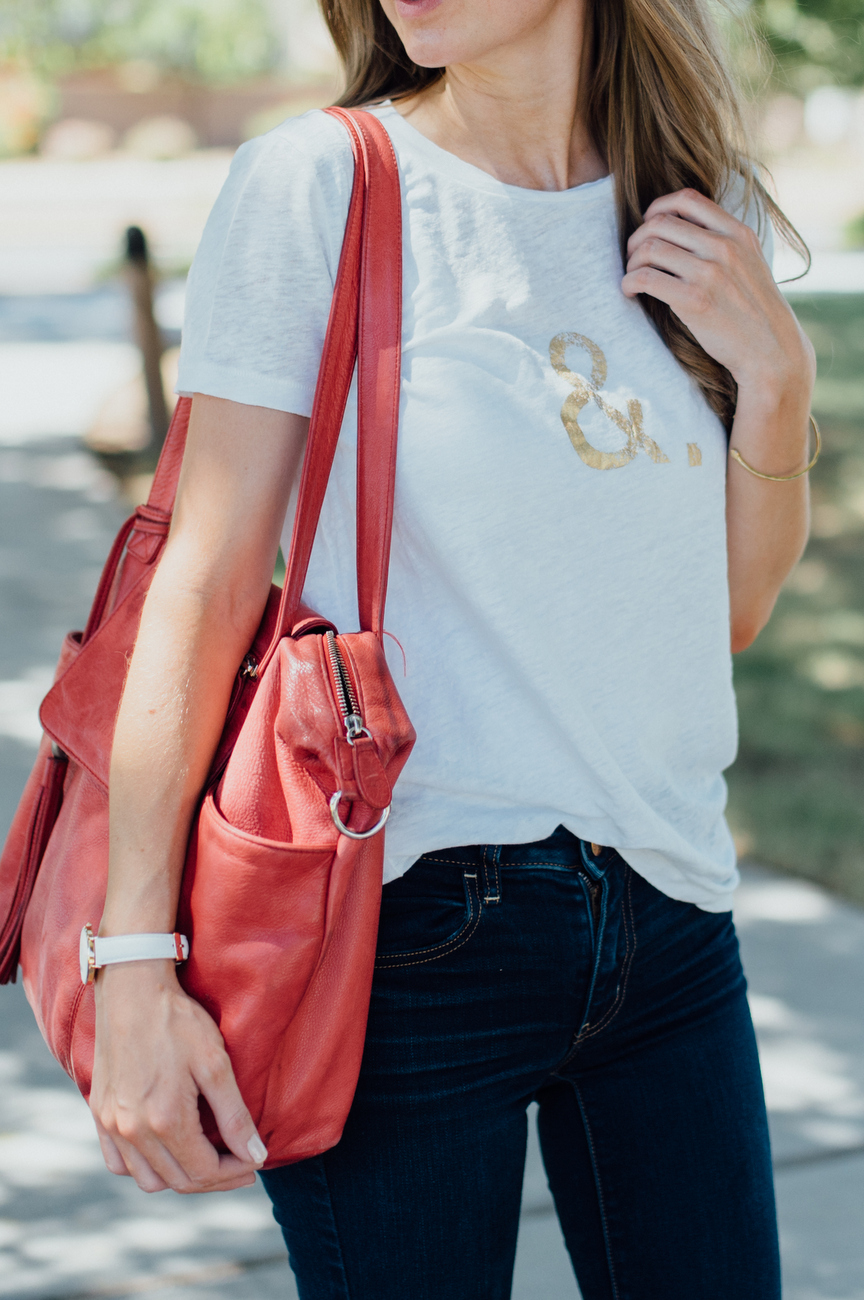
(68, 1228)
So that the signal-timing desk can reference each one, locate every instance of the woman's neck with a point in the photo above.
(518, 114)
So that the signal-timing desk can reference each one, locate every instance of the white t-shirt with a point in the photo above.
(558, 573)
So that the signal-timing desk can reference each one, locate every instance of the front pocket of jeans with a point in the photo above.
(426, 918)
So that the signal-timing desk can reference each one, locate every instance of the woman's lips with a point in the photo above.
(411, 8)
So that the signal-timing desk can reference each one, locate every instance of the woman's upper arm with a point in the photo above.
(239, 467)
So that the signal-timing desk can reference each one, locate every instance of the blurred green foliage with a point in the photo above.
(797, 789)
(813, 42)
(213, 40)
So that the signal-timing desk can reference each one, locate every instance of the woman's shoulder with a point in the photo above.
(318, 136)
(309, 152)
(260, 287)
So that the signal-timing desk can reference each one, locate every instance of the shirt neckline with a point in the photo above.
(467, 174)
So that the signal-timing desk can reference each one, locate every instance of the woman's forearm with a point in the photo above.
(173, 710)
(199, 619)
(767, 523)
(709, 267)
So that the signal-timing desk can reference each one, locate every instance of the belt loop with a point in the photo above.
(597, 866)
(491, 877)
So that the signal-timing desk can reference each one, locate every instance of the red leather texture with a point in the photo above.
(281, 908)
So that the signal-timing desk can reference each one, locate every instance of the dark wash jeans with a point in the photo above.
(513, 973)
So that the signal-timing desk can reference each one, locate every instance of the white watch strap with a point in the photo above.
(97, 952)
(139, 947)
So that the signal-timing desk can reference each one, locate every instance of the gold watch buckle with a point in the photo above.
(87, 954)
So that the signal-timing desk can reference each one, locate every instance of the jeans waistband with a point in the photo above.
(561, 849)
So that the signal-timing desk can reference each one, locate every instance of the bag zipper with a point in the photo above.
(248, 672)
(345, 696)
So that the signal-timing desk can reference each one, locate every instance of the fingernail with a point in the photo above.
(257, 1150)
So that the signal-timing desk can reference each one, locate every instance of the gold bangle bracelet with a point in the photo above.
(782, 478)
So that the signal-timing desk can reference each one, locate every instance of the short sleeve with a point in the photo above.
(258, 295)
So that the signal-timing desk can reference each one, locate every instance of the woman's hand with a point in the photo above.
(156, 1050)
(708, 266)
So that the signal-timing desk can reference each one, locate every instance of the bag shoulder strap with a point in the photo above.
(366, 319)
(379, 372)
(163, 489)
(368, 294)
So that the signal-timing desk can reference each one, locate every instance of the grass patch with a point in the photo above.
(797, 788)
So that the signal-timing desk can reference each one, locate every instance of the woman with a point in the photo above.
(572, 565)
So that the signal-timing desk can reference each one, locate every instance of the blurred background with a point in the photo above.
(796, 790)
(119, 114)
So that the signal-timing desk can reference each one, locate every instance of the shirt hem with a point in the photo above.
(244, 387)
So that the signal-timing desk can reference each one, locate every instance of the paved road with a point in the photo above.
(67, 1228)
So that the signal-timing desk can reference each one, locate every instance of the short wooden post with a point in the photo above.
(147, 334)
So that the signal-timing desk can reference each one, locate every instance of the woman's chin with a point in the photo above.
(445, 33)
(421, 26)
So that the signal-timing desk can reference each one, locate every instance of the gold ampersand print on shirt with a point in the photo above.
(588, 390)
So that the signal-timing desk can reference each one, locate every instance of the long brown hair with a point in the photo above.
(662, 109)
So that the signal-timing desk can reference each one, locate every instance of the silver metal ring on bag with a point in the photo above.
(355, 835)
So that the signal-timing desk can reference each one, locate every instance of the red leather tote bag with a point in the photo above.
(282, 884)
